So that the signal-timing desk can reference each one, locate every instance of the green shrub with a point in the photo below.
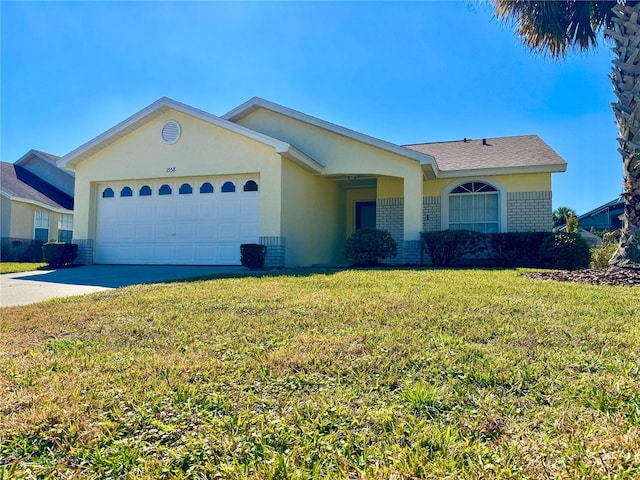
(566, 251)
(369, 245)
(29, 251)
(518, 249)
(57, 254)
(252, 255)
(601, 255)
(447, 247)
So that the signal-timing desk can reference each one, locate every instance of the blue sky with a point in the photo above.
(404, 72)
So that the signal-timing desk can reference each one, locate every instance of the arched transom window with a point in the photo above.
(474, 206)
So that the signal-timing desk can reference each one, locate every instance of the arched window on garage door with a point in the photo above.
(185, 189)
(165, 190)
(145, 191)
(250, 186)
(228, 187)
(126, 192)
(108, 193)
(206, 187)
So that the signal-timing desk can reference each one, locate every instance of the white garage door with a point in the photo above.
(189, 221)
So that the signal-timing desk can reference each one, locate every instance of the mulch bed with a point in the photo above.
(629, 277)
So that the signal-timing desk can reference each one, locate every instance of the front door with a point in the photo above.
(365, 215)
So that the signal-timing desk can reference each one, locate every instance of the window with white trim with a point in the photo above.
(474, 206)
(65, 228)
(41, 226)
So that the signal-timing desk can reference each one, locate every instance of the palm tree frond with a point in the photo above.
(553, 27)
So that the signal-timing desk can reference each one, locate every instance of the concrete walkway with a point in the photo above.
(31, 287)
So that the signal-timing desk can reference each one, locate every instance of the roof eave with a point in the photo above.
(301, 159)
(256, 103)
(473, 172)
(73, 158)
(152, 111)
(36, 203)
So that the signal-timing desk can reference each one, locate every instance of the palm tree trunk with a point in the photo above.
(626, 86)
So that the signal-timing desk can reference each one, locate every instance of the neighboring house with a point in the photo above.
(176, 185)
(605, 217)
(36, 201)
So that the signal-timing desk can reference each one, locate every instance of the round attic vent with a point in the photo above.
(170, 132)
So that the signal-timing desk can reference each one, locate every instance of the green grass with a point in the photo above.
(352, 374)
(16, 267)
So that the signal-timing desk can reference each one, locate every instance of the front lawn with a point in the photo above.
(16, 267)
(351, 374)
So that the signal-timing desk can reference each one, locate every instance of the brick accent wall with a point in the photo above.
(529, 211)
(412, 252)
(85, 251)
(390, 217)
(276, 249)
(431, 214)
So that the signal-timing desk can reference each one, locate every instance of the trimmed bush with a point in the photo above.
(252, 255)
(29, 251)
(518, 249)
(368, 246)
(447, 247)
(601, 255)
(566, 251)
(58, 254)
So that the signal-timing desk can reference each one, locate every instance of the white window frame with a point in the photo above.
(502, 200)
(40, 219)
(65, 224)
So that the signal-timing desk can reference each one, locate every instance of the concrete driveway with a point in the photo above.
(31, 287)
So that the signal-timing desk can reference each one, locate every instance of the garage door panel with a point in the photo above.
(144, 253)
(185, 254)
(228, 254)
(206, 232)
(207, 209)
(165, 232)
(228, 208)
(187, 210)
(145, 232)
(228, 231)
(197, 228)
(145, 212)
(186, 232)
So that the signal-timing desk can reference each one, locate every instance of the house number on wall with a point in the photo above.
(171, 169)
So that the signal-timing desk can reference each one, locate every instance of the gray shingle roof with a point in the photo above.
(53, 158)
(18, 182)
(501, 152)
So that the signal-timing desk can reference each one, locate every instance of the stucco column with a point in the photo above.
(271, 201)
(412, 206)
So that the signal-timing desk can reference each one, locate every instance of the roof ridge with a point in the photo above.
(468, 140)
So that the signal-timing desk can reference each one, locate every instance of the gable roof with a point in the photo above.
(616, 204)
(255, 103)
(165, 104)
(18, 183)
(519, 154)
(47, 157)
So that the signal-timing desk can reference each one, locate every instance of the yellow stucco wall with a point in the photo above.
(312, 217)
(5, 217)
(390, 187)
(530, 182)
(342, 155)
(22, 218)
(346, 156)
(203, 149)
